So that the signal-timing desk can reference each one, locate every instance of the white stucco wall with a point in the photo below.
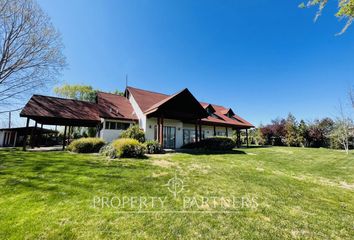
(141, 116)
(109, 135)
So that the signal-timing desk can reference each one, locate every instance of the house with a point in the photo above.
(173, 120)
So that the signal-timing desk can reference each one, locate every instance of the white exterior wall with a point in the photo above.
(152, 122)
(109, 135)
(2, 140)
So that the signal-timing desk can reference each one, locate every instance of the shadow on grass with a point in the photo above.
(209, 152)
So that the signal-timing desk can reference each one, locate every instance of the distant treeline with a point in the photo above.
(324, 132)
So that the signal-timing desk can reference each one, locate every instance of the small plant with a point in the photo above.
(108, 151)
(128, 147)
(153, 147)
(86, 145)
(214, 143)
(134, 132)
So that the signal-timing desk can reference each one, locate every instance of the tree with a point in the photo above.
(343, 131)
(77, 92)
(304, 133)
(345, 10)
(319, 132)
(30, 50)
(292, 137)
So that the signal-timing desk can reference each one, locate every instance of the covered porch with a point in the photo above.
(53, 111)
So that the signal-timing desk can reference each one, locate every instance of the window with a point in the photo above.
(219, 133)
(112, 125)
(117, 125)
(189, 135)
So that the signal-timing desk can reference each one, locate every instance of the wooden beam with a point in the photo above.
(227, 133)
(64, 138)
(33, 135)
(161, 132)
(25, 137)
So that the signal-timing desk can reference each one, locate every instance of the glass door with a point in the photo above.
(169, 137)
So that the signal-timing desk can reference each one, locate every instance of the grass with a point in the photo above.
(300, 194)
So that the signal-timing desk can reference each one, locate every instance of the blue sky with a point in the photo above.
(262, 58)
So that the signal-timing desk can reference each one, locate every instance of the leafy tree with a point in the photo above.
(345, 10)
(319, 132)
(30, 50)
(304, 134)
(292, 136)
(77, 92)
(342, 132)
(117, 92)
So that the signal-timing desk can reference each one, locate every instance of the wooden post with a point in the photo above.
(158, 130)
(227, 134)
(238, 133)
(33, 135)
(247, 137)
(64, 138)
(161, 132)
(25, 136)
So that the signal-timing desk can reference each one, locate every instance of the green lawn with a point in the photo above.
(300, 194)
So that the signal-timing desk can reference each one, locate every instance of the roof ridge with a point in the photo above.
(111, 94)
(149, 91)
(40, 95)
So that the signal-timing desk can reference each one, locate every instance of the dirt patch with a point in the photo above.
(199, 168)
(160, 174)
(163, 163)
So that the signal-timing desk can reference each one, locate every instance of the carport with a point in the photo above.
(55, 111)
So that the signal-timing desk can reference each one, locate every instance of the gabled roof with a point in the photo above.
(114, 106)
(148, 101)
(181, 105)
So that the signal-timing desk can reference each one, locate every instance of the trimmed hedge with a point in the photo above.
(153, 147)
(128, 147)
(108, 151)
(86, 145)
(134, 132)
(214, 143)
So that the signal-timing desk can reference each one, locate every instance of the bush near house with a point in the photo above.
(128, 147)
(108, 151)
(214, 143)
(86, 145)
(153, 147)
(134, 132)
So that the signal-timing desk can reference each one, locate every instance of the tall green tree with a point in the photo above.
(77, 92)
(345, 10)
(292, 136)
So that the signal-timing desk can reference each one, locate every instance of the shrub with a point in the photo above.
(108, 151)
(214, 143)
(86, 145)
(134, 132)
(153, 147)
(128, 147)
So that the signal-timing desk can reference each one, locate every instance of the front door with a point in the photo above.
(169, 137)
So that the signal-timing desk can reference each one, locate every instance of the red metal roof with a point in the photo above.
(54, 107)
(148, 101)
(115, 107)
